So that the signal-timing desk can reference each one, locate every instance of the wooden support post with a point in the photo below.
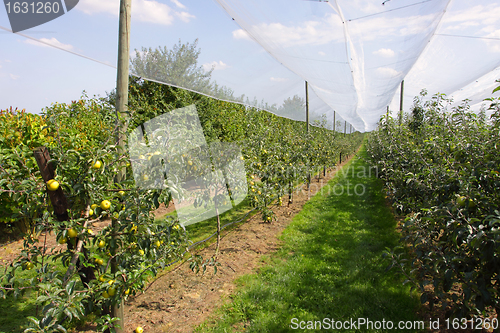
(307, 108)
(401, 102)
(334, 125)
(307, 130)
(121, 112)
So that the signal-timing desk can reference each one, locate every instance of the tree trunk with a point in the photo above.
(60, 204)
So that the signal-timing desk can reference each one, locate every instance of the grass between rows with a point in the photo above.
(330, 266)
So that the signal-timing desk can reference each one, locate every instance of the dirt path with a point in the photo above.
(181, 300)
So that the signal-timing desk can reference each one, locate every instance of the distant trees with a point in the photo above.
(293, 108)
(177, 66)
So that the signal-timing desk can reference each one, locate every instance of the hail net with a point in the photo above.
(354, 54)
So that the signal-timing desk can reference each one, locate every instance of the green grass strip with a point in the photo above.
(330, 266)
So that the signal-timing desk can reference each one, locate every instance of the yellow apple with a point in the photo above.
(105, 204)
(97, 165)
(72, 233)
(52, 185)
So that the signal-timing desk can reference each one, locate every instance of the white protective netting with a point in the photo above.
(353, 53)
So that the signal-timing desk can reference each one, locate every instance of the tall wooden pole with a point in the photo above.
(334, 122)
(122, 72)
(307, 108)
(401, 102)
(307, 130)
(345, 127)
(121, 116)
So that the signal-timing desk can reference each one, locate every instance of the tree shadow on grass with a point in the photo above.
(334, 266)
(13, 313)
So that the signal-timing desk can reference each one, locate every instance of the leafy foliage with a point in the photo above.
(99, 269)
(441, 169)
(177, 66)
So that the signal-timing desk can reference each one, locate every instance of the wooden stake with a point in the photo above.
(121, 110)
(401, 102)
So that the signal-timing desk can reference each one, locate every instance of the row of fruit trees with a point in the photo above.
(77, 280)
(442, 170)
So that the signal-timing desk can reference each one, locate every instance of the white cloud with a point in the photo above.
(463, 25)
(477, 21)
(386, 53)
(379, 28)
(52, 41)
(366, 7)
(241, 34)
(388, 72)
(330, 29)
(317, 32)
(150, 11)
(184, 16)
(178, 4)
(216, 65)
(278, 79)
(493, 45)
(91, 7)
(14, 77)
(487, 15)
(321, 53)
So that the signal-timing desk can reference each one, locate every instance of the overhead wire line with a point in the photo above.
(464, 36)
(387, 11)
(58, 47)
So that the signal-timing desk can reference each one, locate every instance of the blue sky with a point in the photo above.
(354, 55)
(33, 75)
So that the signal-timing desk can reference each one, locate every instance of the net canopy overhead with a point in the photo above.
(354, 54)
